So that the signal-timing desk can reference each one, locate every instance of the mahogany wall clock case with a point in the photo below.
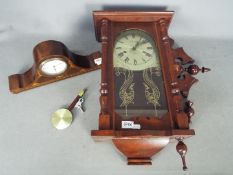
(144, 85)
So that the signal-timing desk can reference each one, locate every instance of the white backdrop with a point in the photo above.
(28, 143)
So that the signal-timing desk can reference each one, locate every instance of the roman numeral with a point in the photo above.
(121, 54)
(144, 60)
(147, 54)
(144, 41)
(126, 60)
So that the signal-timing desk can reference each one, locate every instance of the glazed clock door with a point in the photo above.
(139, 89)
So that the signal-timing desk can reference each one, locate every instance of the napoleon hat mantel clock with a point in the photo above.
(144, 85)
(53, 61)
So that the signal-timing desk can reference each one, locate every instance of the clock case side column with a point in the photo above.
(104, 116)
(161, 28)
(176, 87)
(179, 119)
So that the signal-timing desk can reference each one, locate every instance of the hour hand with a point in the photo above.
(136, 45)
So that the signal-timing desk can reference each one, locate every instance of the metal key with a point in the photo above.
(79, 104)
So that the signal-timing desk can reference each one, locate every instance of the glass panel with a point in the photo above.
(139, 89)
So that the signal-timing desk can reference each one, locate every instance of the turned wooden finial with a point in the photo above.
(189, 110)
(190, 113)
(181, 148)
(194, 69)
(205, 69)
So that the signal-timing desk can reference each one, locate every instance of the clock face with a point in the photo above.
(139, 89)
(135, 50)
(53, 66)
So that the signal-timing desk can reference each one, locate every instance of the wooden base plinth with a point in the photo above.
(140, 150)
(140, 145)
(139, 161)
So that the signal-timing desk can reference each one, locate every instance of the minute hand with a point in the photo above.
(139, 43)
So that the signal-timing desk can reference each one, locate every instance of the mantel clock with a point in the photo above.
(144, 85)
(53, 61)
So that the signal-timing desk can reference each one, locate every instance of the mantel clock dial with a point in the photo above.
(53, 66)
(144, 84)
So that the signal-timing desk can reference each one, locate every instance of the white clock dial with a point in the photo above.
(53, 66)
(135, 50)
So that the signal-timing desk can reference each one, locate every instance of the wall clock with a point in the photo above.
(53, 61)
(144, 85)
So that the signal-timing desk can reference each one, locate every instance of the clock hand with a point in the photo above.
(136, 45)
(140, 42)
(54, 67)
(58, 64)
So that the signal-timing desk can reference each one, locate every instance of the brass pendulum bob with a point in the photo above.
(181, 148)
(62, 118)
